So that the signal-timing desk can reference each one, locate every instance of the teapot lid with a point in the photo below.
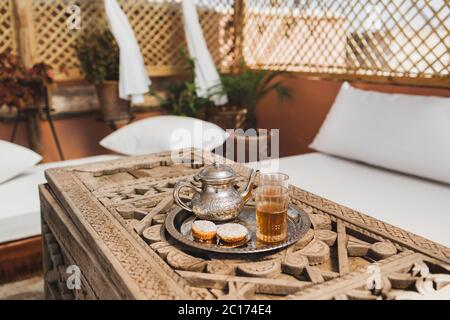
(217, 172)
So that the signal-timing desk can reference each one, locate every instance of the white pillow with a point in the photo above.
(15, 159)
(407, 133)
(164, 133)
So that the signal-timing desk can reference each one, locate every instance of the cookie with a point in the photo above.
(203, 229)
(232, 232)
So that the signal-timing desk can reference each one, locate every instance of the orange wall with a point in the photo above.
(79, 136)
(300, 120)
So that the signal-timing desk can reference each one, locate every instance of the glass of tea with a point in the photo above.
(272, 203)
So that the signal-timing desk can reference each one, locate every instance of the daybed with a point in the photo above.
(386, 155)
(411, 203)
(414, 204)
(365, 136)
(19, 199)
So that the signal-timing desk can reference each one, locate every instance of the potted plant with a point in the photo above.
(247, 88)
(244, 91)
(180, 95)
(25, 90)
(99, 56)
(19, 87)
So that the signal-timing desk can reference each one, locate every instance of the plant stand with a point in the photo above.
(31, 115)
(227, 118)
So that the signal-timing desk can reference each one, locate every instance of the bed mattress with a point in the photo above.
(19, 199)
(416, 205)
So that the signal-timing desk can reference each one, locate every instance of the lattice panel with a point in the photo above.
(158, 29)
(217, 20)
(7, 32)
(393, 40)
(388, 38)
(54, 41)
(157, 24)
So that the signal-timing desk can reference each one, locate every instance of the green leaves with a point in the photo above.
(99, 55)
(243, 90)
(181, 95)
(247, 88)
(181, 99)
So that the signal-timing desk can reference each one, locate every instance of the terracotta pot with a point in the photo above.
(113, 108)
(227, 117)
(239, 144)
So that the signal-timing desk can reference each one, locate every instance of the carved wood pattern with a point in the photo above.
(55, 276)
(405, 276)
(400, 236)
(121, 205)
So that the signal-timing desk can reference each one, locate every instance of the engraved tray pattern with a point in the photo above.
(178, 224)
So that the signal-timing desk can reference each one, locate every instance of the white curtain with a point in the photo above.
(133, 78)
(206, 75)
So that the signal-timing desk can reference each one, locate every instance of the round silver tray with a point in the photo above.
(178, 225)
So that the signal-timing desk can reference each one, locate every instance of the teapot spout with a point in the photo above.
(247, 193)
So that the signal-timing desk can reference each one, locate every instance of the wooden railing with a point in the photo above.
(406, 42)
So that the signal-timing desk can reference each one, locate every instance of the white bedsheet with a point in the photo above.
(416, 205)
(19, 199)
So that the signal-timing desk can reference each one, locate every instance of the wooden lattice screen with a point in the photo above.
(157, 24)
(7, 28)
(54, 42)
(403, 41)
(389, 40)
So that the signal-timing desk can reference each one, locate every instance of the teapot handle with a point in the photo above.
(176, 193)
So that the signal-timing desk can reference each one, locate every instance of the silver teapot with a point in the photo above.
(216, 199)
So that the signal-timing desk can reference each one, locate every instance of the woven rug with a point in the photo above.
(29, 289)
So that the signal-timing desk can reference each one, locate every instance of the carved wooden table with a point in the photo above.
(107, 219)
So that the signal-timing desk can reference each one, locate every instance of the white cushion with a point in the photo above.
(15, 159)
(19, 199)
(163, 133)
(400, 132)
(413, 204)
